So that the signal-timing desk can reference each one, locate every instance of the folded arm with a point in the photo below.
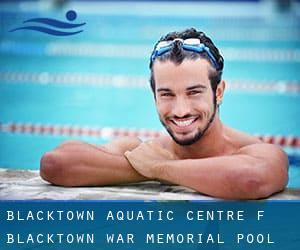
(76, 163)
(256, 171)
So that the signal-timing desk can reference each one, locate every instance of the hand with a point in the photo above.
(145, 158)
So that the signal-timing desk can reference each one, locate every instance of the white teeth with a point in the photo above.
(184, 123)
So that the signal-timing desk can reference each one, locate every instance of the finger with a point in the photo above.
(157, 147)
(150, 142)
(127, 153)
(153, 146)
(153, 143)
(163, 151)
(129, 156)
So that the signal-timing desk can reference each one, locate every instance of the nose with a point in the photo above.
(181, 107)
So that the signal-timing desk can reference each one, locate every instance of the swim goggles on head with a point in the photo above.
(190, 44)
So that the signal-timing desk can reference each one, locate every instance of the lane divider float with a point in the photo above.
(109, 132)
(121, 81)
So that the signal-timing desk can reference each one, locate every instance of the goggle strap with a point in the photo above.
(200, 49)
(196, 48)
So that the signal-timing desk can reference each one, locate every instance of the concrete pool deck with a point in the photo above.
(27, 185)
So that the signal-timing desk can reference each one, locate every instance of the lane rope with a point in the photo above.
(109, 132)
(139, 51)
(121, 81)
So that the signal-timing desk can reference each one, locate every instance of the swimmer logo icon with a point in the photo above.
(71, 15)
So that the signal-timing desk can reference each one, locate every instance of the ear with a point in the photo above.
(220, 92)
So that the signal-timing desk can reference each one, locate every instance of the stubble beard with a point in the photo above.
(198, 135)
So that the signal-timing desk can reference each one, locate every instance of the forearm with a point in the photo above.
(86, 165)
(241, 177)
(111, 170)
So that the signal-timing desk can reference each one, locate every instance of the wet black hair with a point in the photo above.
(177, 55)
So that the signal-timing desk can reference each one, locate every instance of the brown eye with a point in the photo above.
(194, 92)
(166, 94)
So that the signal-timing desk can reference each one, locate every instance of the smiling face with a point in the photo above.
(184, 98)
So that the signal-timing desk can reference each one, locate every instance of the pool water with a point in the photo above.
(100, 76)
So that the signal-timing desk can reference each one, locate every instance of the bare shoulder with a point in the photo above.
(253, 146)
(270, 152)
(239, 138)
(121, 145)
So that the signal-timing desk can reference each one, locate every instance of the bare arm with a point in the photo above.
(256, 171)
(76, 163)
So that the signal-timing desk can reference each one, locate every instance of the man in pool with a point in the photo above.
(200, 152)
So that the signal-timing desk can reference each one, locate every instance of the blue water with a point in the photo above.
(28, 101)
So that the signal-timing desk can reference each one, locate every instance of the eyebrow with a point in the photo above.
(198, 86)
(164, 89)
